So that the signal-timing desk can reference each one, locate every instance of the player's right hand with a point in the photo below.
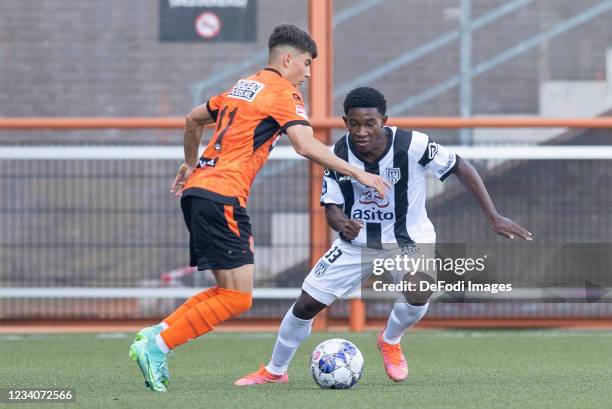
(181, 177)
(374, 181)
(509, 228)
(351, 229)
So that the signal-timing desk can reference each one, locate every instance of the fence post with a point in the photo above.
(320, 16)
(357, 315)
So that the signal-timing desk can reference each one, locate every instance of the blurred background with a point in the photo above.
(89, 230)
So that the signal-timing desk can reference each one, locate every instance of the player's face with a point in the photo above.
(366, 128)
(299, 67)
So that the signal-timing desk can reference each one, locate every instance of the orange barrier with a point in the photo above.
(357, 315)
(481, 122)
(24, 124)
(320, 14)
(319, 231)
(28, 123)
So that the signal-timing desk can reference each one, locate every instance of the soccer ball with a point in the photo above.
(336, 364)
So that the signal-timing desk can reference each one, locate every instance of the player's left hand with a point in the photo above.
(375, 181)
(509, 228)
(181, 177)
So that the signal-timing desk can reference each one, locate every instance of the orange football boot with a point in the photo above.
(396, 366)
(260, 377)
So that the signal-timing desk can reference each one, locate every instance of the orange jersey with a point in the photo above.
(250, 118)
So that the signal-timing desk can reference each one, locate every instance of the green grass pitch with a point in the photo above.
(449, 369)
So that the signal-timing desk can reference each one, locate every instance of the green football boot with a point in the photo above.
(150, 333)
(150, 360)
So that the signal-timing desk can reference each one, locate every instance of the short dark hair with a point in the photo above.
(365, 97)
(288, 34)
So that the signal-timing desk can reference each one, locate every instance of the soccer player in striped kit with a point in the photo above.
(371, 227)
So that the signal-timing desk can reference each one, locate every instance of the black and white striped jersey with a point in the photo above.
(400, 218)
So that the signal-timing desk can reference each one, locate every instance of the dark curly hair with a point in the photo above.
(288, 34)
(365, 97)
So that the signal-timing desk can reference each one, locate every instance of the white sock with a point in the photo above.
(292, 332)
(161, 344)
(402, 317)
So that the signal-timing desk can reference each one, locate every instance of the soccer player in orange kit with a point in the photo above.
(249, 118)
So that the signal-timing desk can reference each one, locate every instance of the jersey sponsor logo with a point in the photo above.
(371, 215)
(371, 196)
(344, 179)
(207, 162)
(393, 175)
(449, 163)
(301, 111)
(246, 90)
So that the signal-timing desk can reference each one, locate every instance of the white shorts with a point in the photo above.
(344, 267)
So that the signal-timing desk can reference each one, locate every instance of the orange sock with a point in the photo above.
(206, 315)
(189, 304)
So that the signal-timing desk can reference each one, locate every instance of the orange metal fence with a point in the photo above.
(357, 318)
(318, 123)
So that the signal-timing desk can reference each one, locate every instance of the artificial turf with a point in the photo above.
(449, 369)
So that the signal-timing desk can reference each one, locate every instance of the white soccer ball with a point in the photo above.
(336, 364)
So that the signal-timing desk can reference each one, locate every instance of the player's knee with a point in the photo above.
(236, 301)
(306, 307)
(304, 311)
(418, 296)
(245, 302)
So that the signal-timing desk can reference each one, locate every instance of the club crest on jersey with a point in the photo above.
(320, 268)
(246, 90)
(298, 98)
(371, 196)
(393, 175)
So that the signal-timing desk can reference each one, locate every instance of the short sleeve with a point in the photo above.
(439, 160)
(288, 109)
(330, 189)
(214, 104)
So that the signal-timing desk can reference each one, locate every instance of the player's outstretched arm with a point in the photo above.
(501, 225)
(306, 145)
(195, 121)
(338, 221)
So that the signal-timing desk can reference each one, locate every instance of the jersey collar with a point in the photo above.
(273, 70)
